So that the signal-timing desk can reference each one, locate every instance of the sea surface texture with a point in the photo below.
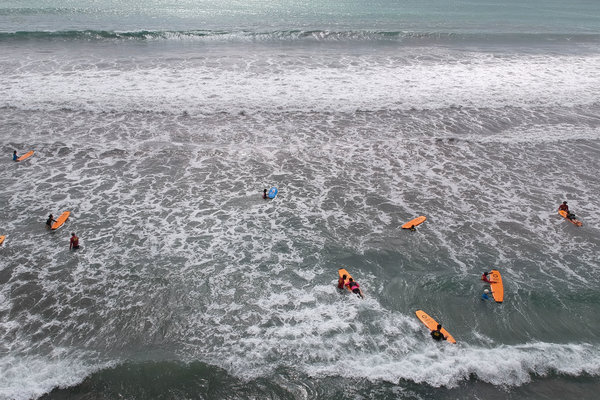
(158, 123)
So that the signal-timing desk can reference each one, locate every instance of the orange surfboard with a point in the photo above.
(414, 222)
(343, 272)
(496, 286)
(2, 239)
(432, 324)
(61, 220)
(25, 156)
(574, 221)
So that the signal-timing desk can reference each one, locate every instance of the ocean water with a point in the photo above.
(158, 124)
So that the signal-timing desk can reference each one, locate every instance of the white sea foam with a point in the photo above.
(504, 366)
(26, 377)
(303, 82)
(332, 338)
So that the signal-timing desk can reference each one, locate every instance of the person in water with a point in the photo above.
(437, 334)
(74, 245)
(265, 194)
(486, 295)
(49, 221)
(485, 277)
(15, 156)
(341, 281)
(565, 207)
(354, 287)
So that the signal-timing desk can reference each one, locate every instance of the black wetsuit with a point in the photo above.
(437, 335)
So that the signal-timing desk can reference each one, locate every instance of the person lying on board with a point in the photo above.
(564, 207)
(485, 278)
(50, 221)
(437, 334)
(486, 295)
(341, 281)
(354, 287)
(15, 156)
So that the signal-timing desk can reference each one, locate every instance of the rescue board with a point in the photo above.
(414, 222)
(25, 156)
(574, 221)
(343, 272)
(432, 324)
(496, 285)
(272, 193)
(60, 220)
(2, 239)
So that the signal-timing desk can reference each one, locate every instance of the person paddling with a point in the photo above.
(437, 334)
(354, 287)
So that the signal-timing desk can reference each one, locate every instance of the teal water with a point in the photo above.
(472, 16)
(158, 124)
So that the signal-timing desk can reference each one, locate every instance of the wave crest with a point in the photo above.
(294, 35)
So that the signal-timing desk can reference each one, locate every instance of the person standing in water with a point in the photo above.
(437, 334)
(49, 221)
(485, 277)
(341, 281)
(15, 156)
(265, 194)
(486, 295)
(74, 244)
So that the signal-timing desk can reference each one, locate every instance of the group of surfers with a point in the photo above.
(73, 243)
(437, 334)
(351, 284)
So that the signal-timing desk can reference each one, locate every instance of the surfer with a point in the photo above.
(341, 281)
(485, 295)
(50, 221)
(485, 278)
(354, 287)
(564, 207)
(74, 244)
(15, 156)
(265, 194)
(437, 334)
